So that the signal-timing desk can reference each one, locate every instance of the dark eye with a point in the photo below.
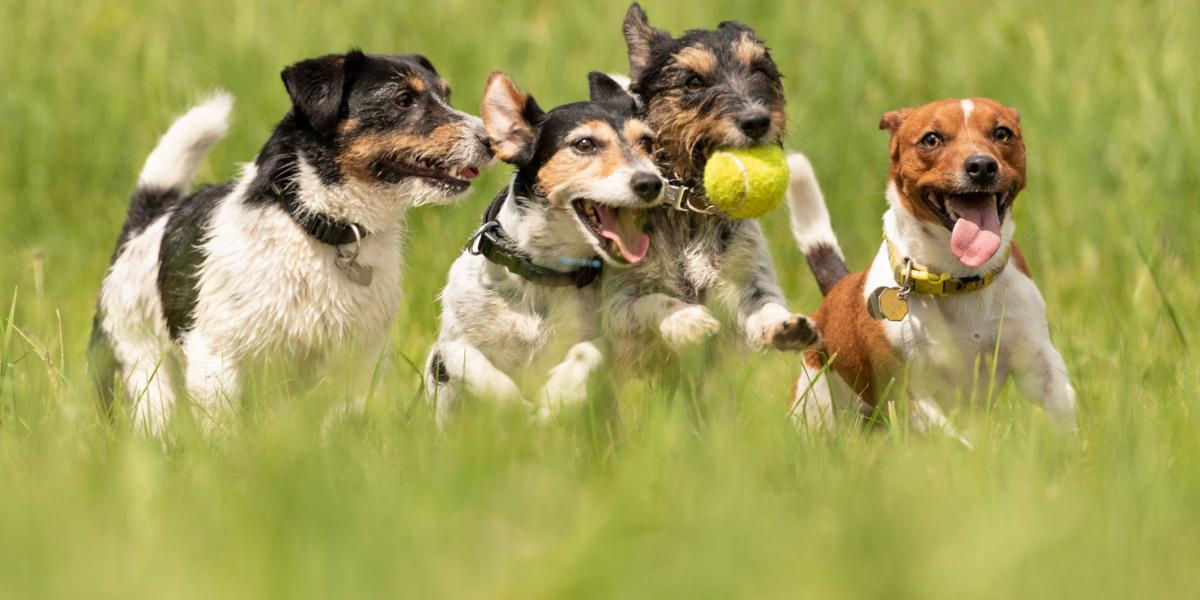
(585, 146)
(1003, 134)
(405, 100)
(694, 83)
(931, 140)
(647, 144)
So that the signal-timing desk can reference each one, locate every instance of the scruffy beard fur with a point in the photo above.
(200, 286)
(699, 92)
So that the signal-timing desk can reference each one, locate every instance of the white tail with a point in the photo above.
(811, 225)
(174, 161)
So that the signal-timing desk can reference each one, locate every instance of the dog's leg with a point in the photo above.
(811, 408)
(568, 382)
(213, 381)
(1041, 375)
(927, 418)
(150, 390)
(748, 281)
(628, 313)
(456, 368)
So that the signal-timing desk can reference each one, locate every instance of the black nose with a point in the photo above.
(646, 185)
(981, 168)
(755, 125)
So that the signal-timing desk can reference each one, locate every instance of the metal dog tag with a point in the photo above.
(887, 303)
(359, 274)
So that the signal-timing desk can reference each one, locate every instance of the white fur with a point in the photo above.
(178, 154)
(967, 107)
(947, 343)
(810, 217)
(266, 289)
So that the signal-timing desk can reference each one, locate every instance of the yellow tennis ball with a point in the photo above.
(745, 183)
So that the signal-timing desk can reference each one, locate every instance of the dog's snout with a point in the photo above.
(755, 124)
(981, 168)
(646, 185)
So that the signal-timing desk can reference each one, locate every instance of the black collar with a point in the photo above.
(323, 228)
(490, 242)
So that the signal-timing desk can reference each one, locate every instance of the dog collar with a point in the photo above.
(685, 198)
(919, 279)
(490, 242)
(323, 228)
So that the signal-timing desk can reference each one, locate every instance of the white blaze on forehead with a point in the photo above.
(967, 106)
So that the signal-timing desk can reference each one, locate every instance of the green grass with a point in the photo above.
(700, 494)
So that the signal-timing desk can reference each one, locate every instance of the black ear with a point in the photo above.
(640, 37)
(736, 25)
(317, 87)
(603, 88)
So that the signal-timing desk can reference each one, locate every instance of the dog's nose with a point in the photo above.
(981, 168)
(755, 125)
(646, 185)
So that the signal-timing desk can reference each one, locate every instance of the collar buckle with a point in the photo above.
(685, 199)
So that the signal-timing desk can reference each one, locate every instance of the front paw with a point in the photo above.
(795, 333)
(687, 326)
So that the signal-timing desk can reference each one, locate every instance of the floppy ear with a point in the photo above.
(640, 37)
(509, 118)
(603, 88)
(892, 119)
(317, 87)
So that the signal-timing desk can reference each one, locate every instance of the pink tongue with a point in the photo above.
(976, 235)
(625, 229)
(469, 173)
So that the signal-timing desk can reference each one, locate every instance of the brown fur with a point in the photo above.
(700, 60)
(359, 156)
(748, 50)
(568, 166)
(856, 342)
(497, 116)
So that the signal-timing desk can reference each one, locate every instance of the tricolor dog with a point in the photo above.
(705, 90)
(298, 257)
(523, 297)
(948, 290)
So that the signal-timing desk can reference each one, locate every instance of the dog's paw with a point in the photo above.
(795, 333)
(687, 326)
(568, 381)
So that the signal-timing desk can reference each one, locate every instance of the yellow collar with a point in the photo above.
(924, 281)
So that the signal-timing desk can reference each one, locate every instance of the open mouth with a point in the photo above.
(973, 219)
(452, 179)
(617, 229)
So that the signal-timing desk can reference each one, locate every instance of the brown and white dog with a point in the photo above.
(948, 300)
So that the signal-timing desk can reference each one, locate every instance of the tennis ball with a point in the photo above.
(745, 183)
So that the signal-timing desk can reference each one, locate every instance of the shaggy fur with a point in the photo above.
(699, 92)
(199, 285)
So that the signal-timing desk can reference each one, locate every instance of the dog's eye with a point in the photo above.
(694, 83)
(585, 146)
(647, 144)
(931, 140)
(1003, 134)
(404, 100)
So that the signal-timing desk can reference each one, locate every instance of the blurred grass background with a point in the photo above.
(670, 501)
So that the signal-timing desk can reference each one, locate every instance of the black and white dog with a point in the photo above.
(300, 255)
(699, 92)
(521, 297)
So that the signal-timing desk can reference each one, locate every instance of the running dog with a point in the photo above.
(522, 293)
(702, 91)
(948, 290)
(300, 255)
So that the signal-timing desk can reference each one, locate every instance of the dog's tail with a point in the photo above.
(170, 167)
(811, 226)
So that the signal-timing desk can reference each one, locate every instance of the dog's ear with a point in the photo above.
(317, 87)
(510, 118)
(892, 119)
(603, 88)
(640, 37)
(737, 26)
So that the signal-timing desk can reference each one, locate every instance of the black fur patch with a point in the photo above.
(145, 206)
(181, 255)
(827, 267)
(437, 368)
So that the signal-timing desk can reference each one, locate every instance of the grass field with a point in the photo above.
(709, 495)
